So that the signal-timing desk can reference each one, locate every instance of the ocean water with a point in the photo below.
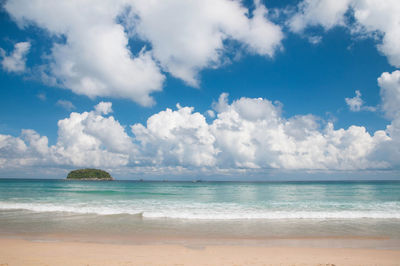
(209, 209)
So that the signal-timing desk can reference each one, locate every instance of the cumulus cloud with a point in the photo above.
(16, 60)
(187, 36)
(249, 133)
(327, 13)
(175, 138)
(94, 60)
(92, 139)
(103, 108)
(91, 55)
(356, 104)
(264, 139)
(390, 93)
(28, 149)
(86, 139)
(379, 19)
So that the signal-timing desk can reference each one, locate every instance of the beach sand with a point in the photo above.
(27, 252)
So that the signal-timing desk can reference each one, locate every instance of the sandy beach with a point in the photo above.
(26, 252)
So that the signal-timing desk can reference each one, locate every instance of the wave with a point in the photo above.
(205, 212)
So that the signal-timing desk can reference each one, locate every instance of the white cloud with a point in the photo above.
(187, 36)
(264, 139)
(356, 104)
(210, 113)
(390, 93)
(250, 133)
(315, 39)
(381, 16)
(93, 57)
(222, 104)
(327, 13)
(67, 105)
(245, 135)
(85, 139)
(28, 149)
(92, 139)
(16, 60)
(370, 18)
(103, 108)
(177, 138)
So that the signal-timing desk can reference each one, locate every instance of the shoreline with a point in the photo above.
(351, 242)
(25, 252)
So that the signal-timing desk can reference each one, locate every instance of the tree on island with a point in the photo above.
(89, 174)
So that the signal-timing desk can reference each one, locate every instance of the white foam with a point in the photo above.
(203, 211)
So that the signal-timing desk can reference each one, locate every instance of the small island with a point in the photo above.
(89, 174)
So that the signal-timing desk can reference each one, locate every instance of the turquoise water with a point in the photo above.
(212, 208)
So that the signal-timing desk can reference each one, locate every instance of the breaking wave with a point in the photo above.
(217, 211)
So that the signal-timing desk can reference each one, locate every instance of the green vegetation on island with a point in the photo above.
(89, 174)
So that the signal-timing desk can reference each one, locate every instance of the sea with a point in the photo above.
(243, 210)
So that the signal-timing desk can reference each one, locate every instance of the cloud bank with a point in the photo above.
(246, 134)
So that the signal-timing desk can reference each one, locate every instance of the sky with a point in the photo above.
(214, 90)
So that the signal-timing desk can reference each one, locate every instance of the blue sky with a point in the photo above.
(303, 67)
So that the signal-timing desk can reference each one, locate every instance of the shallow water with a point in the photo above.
(216, 209)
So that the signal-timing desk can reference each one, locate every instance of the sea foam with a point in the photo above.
(210, 211)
